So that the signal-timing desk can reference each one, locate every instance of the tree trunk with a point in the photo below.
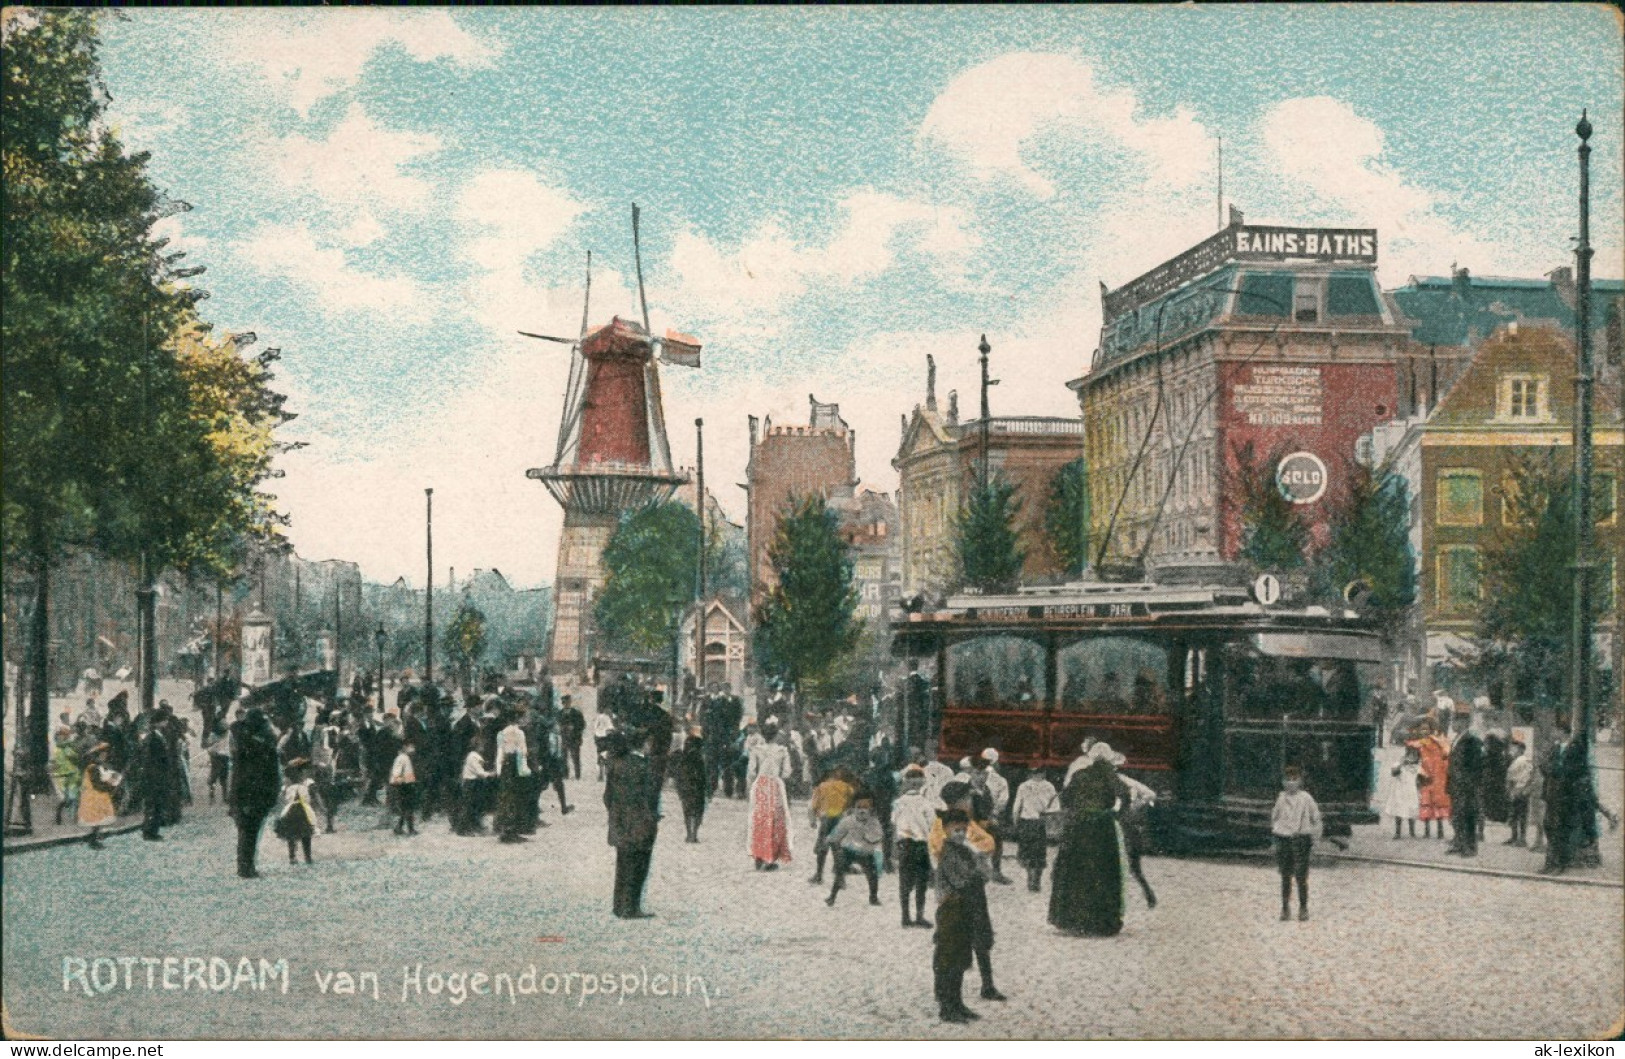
(39, 726)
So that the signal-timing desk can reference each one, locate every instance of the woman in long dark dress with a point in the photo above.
(1086, 895)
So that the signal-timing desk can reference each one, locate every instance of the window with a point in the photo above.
(1264, 294)
(1604, 587)
(1605, 498)
(1458, 578)
(1113, 674)
(1351, 295)
(996, 671)
(1523, 397)
(1306, 301)
(1460, 498)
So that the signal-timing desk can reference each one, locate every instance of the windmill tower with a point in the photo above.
(612, 456)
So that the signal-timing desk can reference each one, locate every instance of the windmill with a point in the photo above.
(613, 455)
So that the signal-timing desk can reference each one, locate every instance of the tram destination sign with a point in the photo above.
(1244, 242)
(1058, 611)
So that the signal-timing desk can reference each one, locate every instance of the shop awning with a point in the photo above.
(1450, 649)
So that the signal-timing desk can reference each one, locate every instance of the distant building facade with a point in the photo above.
(1260, 351)
(789, 462)
(870, 526)
(938, 461)
(726, 644)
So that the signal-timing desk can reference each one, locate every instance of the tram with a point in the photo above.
(1206, 692)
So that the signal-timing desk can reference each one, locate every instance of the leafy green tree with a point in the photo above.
(109, 442)
(806, 625)
(1066, 516)
(649, 562)
(1526, 611)
(990, 554)
(1274, 534)
(464, 641)
(1370, 542)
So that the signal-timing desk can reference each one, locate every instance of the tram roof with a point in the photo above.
(1086, 601)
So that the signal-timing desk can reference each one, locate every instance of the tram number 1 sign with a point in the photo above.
(1301, 477)
(1267, 589)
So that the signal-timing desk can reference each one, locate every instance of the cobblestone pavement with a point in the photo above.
(1390, 953)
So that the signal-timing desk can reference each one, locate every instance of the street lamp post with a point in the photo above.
(428, 590)
(677, 603)
(380, 636)
(1584, 526)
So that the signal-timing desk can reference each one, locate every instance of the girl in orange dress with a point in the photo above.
(1435, 755)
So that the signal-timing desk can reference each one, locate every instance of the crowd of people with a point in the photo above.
(871, 807)
(110, 764)
(1469, 775)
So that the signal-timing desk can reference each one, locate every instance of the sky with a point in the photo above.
(827, 195)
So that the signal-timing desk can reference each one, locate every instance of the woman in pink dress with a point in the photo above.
(1435, 755)
(769, 837)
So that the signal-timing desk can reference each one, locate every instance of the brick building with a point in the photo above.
(1261, 350)
(1504, 351)
(791, 462)
(937, 463)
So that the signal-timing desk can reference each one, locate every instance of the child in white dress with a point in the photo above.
(1403, 803)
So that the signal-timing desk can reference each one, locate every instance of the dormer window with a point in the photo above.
(1306, 301)
(1523, 397)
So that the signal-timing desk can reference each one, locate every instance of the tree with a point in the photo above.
(649, 565)
(990, 555)
(1526, 611)
(109, 441)
(1274, 535)
(1066, 517)
(464, 641)
(81, 279)
(806, 626)
(1370, 542)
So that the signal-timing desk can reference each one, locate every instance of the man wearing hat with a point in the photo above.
(964, 928)
(630, 790)
(254, 788)
(693, 787)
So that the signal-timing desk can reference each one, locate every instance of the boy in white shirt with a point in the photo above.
(1296, 824)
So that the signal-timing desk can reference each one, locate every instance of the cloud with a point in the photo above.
(312, 56)
(746, 289)
(358, 165)
(1333, 158)
(511, 217)
(291, 254)
(989, 117)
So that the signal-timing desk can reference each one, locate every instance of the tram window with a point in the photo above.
(1269, 687)
(1002, 671)
(1113, 674)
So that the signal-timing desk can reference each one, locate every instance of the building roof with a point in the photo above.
(1463, 309)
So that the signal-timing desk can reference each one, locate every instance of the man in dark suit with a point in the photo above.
(572, 726)
(1464, 781)
(254, 785)
(157, 770)
(630, 790)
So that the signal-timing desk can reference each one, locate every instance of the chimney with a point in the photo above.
(902, 424)
(1461, 280)
(930, 383)
(953, 408)
(753, 424)
(1236, 218)
(1562, 279)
